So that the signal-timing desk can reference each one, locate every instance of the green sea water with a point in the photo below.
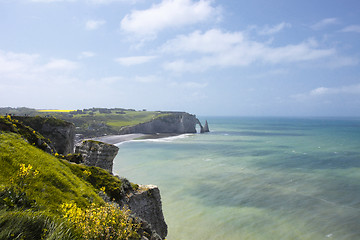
(254, 178)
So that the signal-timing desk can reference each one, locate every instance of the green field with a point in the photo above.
(94, 121)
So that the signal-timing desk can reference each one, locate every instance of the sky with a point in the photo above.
(206, 57)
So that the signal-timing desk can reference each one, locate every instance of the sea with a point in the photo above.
(254, 178)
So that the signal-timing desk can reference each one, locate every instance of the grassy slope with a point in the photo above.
(113, 119)
(55, 183)
(133, 118)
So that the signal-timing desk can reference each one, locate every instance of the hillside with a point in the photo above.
(45, 197)
(93, 122)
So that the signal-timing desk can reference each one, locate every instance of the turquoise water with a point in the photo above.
(255, 178)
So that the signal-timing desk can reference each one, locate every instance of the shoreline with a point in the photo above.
(117, 139)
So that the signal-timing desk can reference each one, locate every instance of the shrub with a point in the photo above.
(14, 196)
(116, 188)
(101, 222)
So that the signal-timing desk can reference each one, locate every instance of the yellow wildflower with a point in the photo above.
(86, 173)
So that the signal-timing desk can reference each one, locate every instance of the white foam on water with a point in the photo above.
(166, 139)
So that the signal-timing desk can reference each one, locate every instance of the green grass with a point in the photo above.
(35, 185)
(116, 188)
(9, 124)
(55, 183)
(31, 225)
(131, 118)
(54, 110)
(112, 119)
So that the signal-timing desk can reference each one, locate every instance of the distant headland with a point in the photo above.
(98, 122)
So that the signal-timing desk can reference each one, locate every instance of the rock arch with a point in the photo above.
(205, 128)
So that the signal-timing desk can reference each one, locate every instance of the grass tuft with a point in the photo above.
(31, 225)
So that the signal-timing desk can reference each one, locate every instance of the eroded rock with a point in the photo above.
(146, 204)
(60, 133)
(97, 154)
(177, 123)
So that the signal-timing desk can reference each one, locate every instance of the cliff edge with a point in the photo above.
(146, 204)
(171, 122)
(60, 133)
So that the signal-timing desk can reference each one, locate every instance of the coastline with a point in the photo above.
(117, 139)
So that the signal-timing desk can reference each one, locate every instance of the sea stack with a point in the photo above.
(205, 128)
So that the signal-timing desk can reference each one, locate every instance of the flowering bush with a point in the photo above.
(15, 195)
(101, 222)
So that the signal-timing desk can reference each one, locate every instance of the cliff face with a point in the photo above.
(7, 124)
(60, 133)
(171, 123)
(146, 204)
(97, 154)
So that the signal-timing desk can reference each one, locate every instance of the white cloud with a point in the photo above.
(352, 28)
(105, 81)
(168, 13)
(147, 79)
(135, 60)
(324, 23)
(16, 62)
(86, 54)
(352, 89)
(212, 41)
(320, 91)
(94, 24)
(267, 74)
(342, 61)
(269, 30)
(226, 49)
(61, 64)
(50, 1)
(110, 1)
(33, 81)
(113, 79)
(326, 91)
(21, 67)
(87, 1)
(189, 85)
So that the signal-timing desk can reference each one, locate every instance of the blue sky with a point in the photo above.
(207, 57)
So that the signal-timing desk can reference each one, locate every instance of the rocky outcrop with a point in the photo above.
(173, 122)
(60, 133)
(146, 204)
(205, 128)
(8, 124)
(97, 154)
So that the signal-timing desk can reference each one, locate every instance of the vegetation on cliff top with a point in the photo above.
(94, 121)
(35, 185)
